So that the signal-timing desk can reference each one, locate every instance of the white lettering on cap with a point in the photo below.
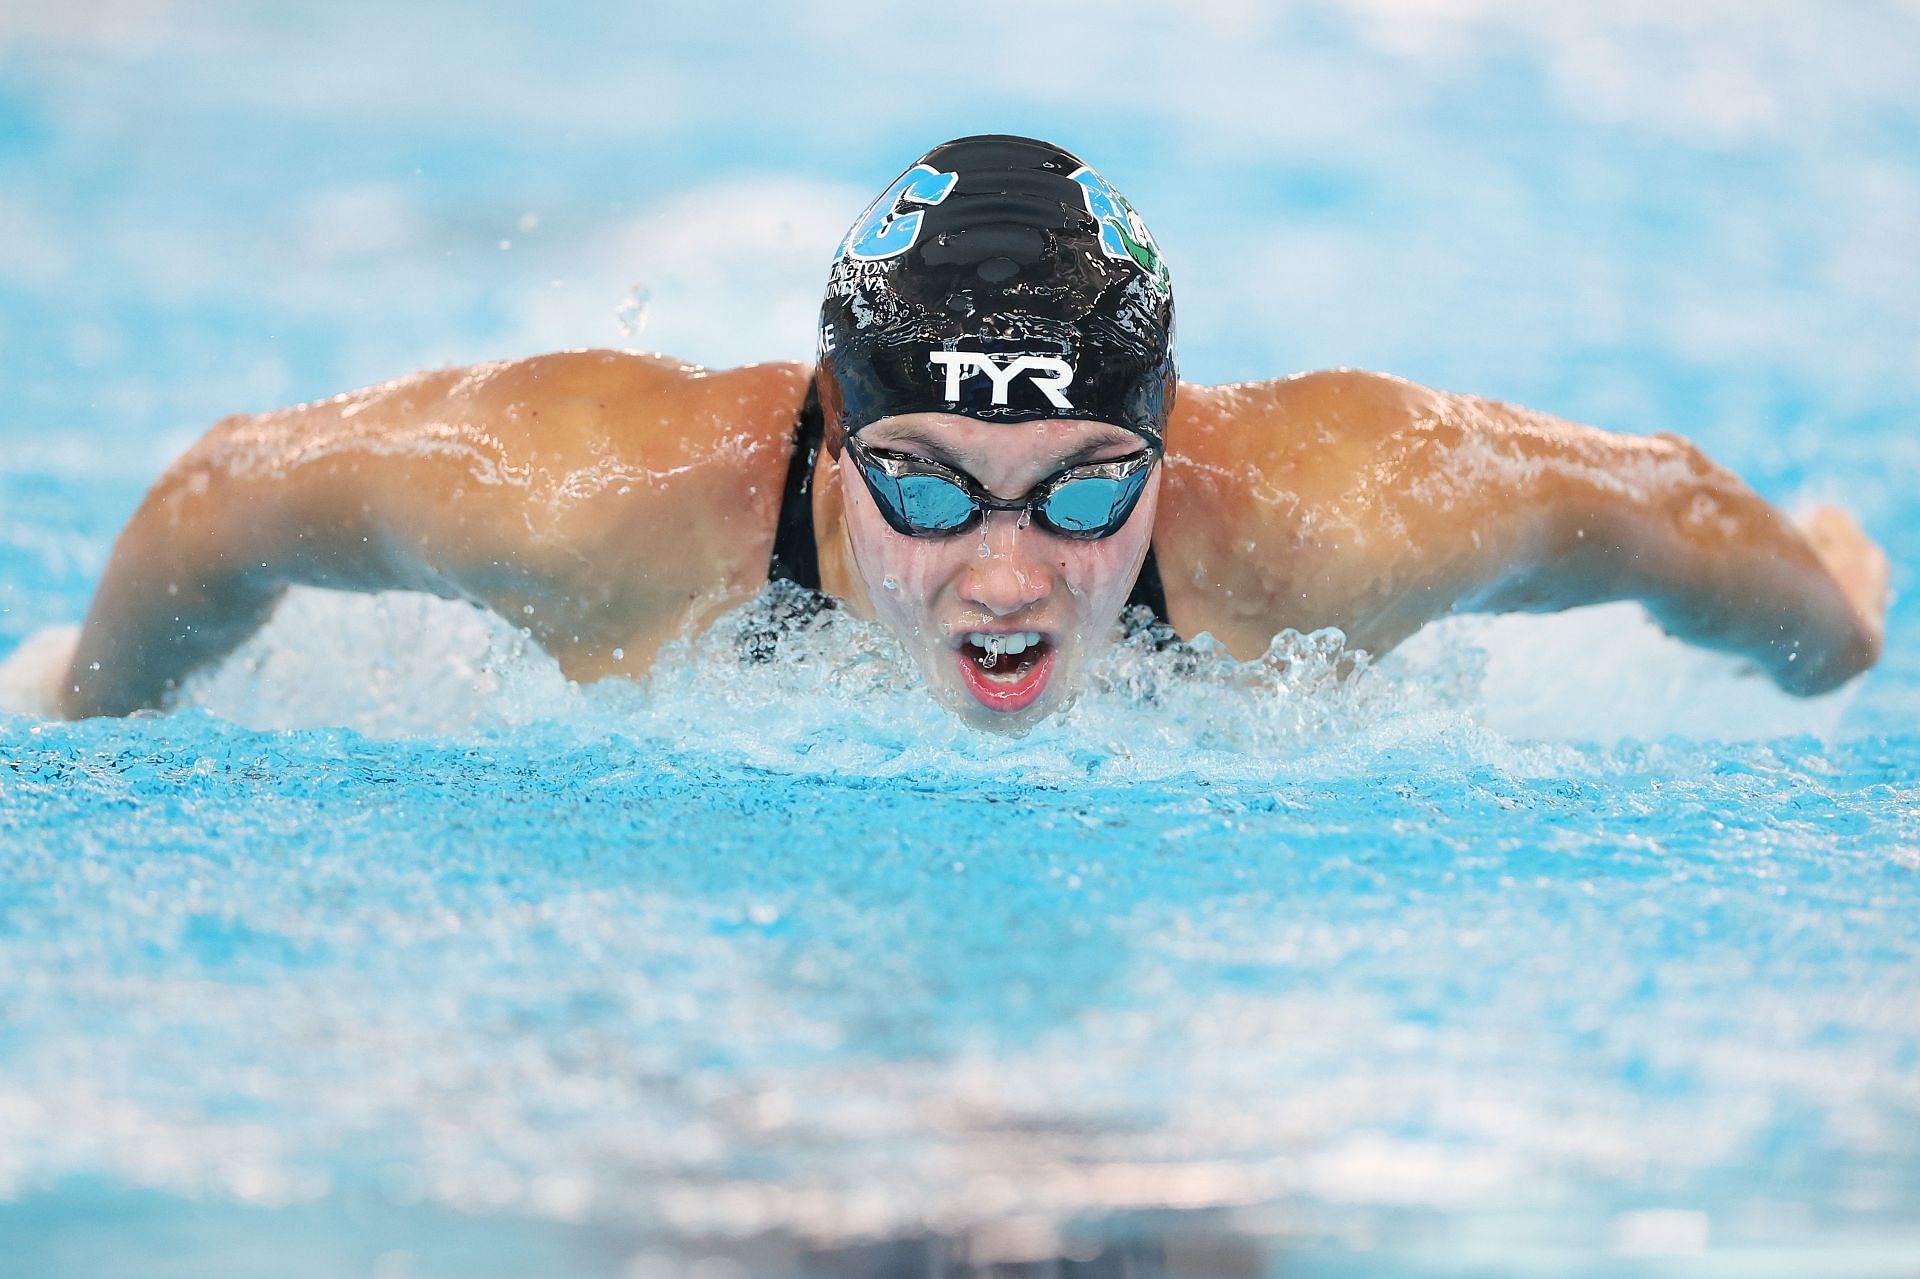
(1051, 374)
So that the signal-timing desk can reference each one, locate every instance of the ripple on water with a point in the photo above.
(779, 944)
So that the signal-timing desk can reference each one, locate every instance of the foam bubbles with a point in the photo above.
(785, 684)
(772, 942)
(390, 665)
(840, 693)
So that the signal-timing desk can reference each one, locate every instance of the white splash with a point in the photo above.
(841, 695)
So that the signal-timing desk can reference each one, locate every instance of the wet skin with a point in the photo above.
(610, 501)
(1007, 576)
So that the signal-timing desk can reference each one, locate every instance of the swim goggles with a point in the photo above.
(922, 498)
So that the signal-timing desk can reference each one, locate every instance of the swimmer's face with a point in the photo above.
(952, 600)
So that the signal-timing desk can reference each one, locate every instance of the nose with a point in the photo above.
(1008, 577)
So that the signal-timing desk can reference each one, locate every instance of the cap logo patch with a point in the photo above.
(1051, 375)
(1123, 233)
(883, 231)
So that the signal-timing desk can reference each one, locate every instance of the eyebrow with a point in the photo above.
(909, 436)
(1086, 452)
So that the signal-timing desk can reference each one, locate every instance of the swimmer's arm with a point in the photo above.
(603, 501)
(213, 548)
(201, 565)
(1579, 516)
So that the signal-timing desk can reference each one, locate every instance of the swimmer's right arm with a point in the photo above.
(604, 501)
(205, 558)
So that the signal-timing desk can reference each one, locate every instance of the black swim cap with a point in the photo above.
(1001, 279)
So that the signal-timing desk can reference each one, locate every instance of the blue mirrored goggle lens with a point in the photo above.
(930, 505)
(926, 501)
(1087, 505)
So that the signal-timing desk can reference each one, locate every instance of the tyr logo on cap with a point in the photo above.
(1051, 375)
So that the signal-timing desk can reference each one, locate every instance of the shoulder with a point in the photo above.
(597, 399)
(569, 447)
(602, 403)
(1273, 420)
(603, 380)
(1351, 417)
(544, 419)
(1314, 438)
(1332, 390)
(617, 448)
(1279, 502)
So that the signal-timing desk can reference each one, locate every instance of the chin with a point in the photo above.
(1004, 723)
(993, 710)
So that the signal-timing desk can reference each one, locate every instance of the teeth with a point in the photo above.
(1012, 644)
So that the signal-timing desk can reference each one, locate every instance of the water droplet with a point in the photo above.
(631, 314)
(889, 583)
(527, 609)
(619, 654)
(93, 666)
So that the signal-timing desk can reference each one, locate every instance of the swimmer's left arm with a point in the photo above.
(1580, 516)
(1361, 501)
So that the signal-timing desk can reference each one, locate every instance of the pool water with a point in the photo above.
(1543, 946)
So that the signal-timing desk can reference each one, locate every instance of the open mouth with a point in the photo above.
(1005, 671)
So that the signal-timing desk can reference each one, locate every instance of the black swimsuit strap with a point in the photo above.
(1146, 587)
(795, 558)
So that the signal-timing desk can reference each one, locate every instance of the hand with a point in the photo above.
(1857, 565)
(33, 676)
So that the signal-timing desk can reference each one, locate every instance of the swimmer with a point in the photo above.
(992, 456)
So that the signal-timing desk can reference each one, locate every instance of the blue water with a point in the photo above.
(1543, 947)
